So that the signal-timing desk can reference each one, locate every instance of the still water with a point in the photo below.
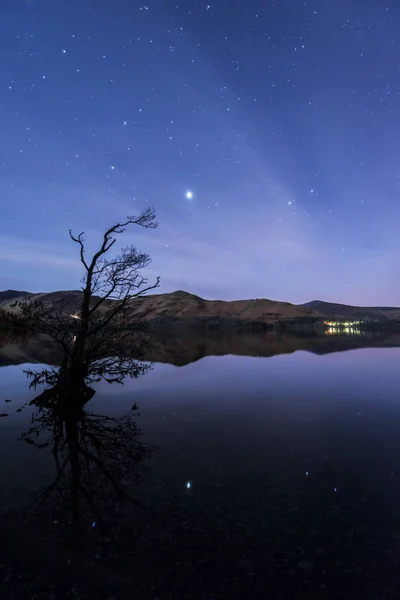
(276, 474)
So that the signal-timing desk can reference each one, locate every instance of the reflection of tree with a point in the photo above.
(98, 457)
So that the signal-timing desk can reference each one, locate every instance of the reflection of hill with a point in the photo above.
(18, 350)
(340, 343)
(188, 347)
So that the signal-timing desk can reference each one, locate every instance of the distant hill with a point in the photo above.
(368, 313)
(183, 305)
(183, 308)
(178, 307)
(53, 301)
(11, 295)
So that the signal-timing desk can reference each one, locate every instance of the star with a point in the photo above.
(165, 109)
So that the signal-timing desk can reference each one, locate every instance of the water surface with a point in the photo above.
(277, 474)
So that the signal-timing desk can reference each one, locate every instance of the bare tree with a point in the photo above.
(93, 453)
(117, 279)
(104, 317)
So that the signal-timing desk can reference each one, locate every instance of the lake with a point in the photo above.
(276, 474)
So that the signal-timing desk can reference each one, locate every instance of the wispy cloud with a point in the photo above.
(35, 254)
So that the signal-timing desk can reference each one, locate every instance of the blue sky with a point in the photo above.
(265, 134)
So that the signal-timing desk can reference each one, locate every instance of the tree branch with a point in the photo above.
(79, 240)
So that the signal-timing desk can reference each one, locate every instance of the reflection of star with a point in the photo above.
(189, 195)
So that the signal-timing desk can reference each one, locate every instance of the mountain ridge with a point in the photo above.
(335, 309)
(186, 308)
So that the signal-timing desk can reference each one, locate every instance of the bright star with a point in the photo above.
(189, 195)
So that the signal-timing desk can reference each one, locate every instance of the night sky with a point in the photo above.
(266, 134)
